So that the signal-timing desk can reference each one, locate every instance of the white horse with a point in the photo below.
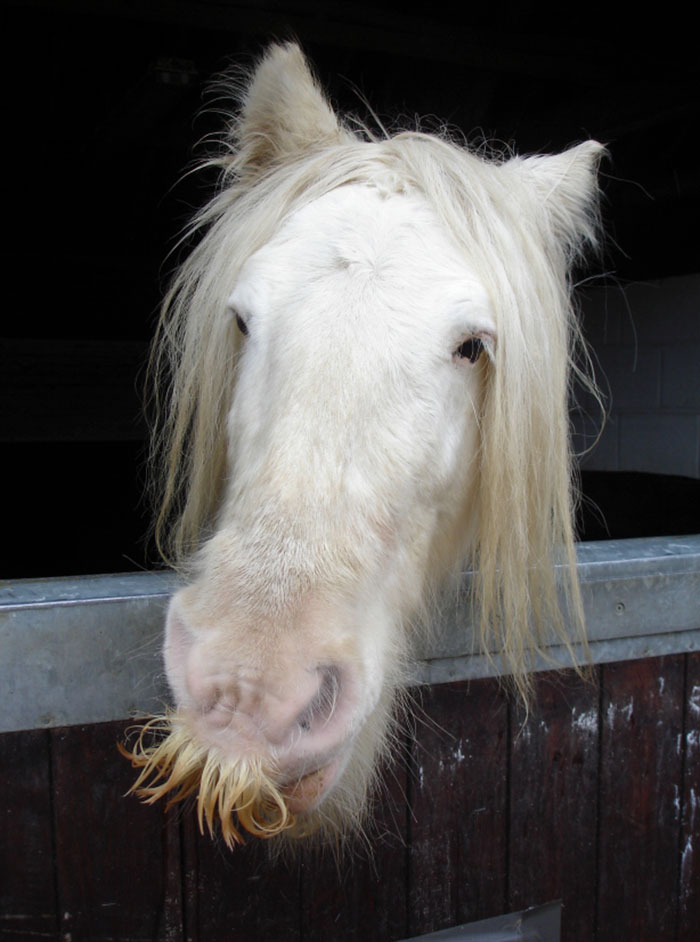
(367, 359)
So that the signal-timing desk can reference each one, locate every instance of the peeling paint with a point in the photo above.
(627, 711)
(687, 869)
(587, 721)
(694, 702)
(692, 809)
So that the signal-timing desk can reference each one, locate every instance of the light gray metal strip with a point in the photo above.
(87, 650)
(472, 666)
(630, 588)
(537, 924)
(84, 650)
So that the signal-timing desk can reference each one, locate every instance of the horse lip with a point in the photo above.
(304, 792)
(292, 777)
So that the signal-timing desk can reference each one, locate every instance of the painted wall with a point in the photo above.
(646, 343)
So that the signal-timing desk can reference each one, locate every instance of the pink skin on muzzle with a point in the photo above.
(275, 701)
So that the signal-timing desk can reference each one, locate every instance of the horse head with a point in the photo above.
(368, 355)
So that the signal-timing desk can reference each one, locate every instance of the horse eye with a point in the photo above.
(242, 326)
(470, 350)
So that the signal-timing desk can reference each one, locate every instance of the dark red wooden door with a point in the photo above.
(593, 798)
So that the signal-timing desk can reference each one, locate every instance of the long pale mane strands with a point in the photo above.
(523, 251)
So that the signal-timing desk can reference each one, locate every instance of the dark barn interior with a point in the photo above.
(103, 112)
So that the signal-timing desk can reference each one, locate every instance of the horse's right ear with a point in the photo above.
(566, 190)
(284, 113)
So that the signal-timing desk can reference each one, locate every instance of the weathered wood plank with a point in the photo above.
(363, 896)
(118, 861)
(28, 906)
(457, 830)
(240, 895)
(119, 865)
(642, 714)
(689, 894)
(553, 801)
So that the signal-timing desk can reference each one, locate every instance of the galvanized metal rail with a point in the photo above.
(87, 650)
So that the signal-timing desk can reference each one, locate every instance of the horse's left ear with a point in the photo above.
(284, 112)
(566, 189)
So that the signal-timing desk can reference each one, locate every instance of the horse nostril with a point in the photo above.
(321, 708)
(330, 689)
(210, 701)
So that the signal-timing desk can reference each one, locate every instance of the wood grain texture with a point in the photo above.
(458, 791)
(594, 799)
(28, 905)
(689, 890)
(240, 895)
(553, 801)
(642, 716)
(117, 861)
(363, 896)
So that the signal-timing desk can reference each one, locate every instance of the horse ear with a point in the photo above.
(284, 112)
(566, 189)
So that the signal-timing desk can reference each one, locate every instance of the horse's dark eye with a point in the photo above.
(242, 326)
(470, 350)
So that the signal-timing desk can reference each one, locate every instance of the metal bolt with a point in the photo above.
(620, 608)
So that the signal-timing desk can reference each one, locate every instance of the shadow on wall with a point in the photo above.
(642, 478)
(627, 504)
(646, 343)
